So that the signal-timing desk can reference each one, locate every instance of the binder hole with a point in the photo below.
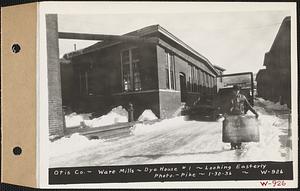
(17, 150)
(16, 48)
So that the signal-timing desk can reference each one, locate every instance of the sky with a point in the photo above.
(236, 41)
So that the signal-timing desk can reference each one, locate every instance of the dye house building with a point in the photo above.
(274, 82)
(158, 72)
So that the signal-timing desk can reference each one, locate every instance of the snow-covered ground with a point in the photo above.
(116, 115)
(74, 119)
(147, 115)
(178, 140)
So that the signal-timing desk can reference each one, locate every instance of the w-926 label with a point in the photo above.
(273, 183)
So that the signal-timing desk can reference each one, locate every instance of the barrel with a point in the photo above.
(240, 128)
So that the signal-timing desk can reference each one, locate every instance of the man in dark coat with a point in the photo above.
(237, 108)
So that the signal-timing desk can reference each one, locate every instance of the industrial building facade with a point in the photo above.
(158, 72)
(274, 82)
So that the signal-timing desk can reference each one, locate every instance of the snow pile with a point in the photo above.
(147, 115)
(274, 139)
(69, 145)
(74, 119)
(273, 106)
(116, 115)
(164, 125)
(180, 141)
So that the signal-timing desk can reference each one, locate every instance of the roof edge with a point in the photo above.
(184, 45)
(151, 29)
(219, 67)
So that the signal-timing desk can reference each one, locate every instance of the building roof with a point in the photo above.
(64, 61)
(279, 42)
(286, 22)
(141, 33)
(219, 68)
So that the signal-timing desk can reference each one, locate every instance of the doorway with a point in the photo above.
(182, 87)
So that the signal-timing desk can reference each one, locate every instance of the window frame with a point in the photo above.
(170, 67)
(131, 70)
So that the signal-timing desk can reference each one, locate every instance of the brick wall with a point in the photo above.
(140, 101)
(105, 66)
(56, 119)
(169, 103)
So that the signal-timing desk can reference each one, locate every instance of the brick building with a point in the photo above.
(274, 82)
(220, 72)
(160, 74)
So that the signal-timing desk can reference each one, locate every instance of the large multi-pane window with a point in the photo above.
(127, 84)
(136, 70)
(190, 81)
(192, 78)
(207, 80)
(204, 81)
(170, 71)
(215, 85)
(131, 76)
(201, 80)
(197, 80)
(210, 84)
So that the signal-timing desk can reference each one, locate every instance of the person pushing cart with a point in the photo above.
(238, 128)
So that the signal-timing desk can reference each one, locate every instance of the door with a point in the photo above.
(182, 87)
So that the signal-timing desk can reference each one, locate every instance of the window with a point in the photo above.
(136, 70)
(199, 80)
(190, 84)
(215, 84)
(196, 80)
(192, 78)
(210, 83)
(83, 83)
(127, 85)
(204, 80)
(170, 71)
(207, 80)
(131, 76)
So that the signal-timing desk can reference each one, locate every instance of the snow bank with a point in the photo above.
(69, 145)
(116, 115)
(74, 119)
(164, 125)
(273, 143)
(147, 115)
(177, 140)
(273, 106)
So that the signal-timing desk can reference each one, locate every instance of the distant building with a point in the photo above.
(220, 71)
(160, 75)
(274, 82)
